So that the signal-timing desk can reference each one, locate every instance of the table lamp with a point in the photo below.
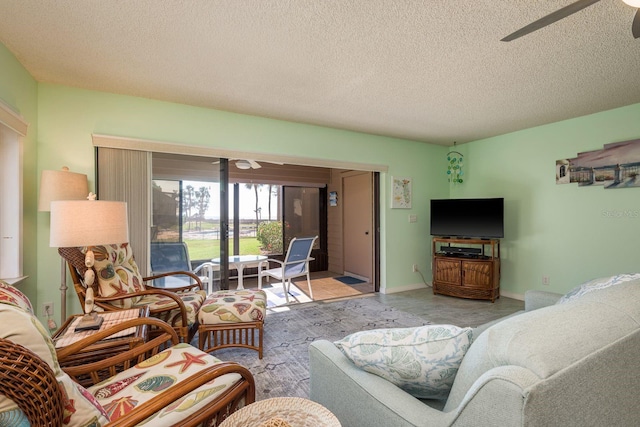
(80, 223)
(61, 185)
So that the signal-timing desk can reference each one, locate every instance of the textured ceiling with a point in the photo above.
(433, 71)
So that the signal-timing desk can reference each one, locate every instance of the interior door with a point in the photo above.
(358, 224)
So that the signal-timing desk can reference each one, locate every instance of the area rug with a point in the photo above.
(284, 368)
(327, 288)
(348, 280)
(276, 296)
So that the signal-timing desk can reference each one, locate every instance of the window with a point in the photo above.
(184, 163)
(189, 211)
(12, 128)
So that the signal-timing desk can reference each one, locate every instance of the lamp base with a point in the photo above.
(90, 321)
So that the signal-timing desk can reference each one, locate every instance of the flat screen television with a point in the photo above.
(468, 218)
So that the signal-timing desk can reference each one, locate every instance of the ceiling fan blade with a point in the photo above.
(635, 27)
(254, 164)
(550, 19)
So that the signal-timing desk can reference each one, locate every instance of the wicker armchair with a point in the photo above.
(31, 384)
(176, 305)
(162, 381)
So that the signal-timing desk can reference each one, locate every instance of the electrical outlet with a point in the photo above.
(545, 280)
(47, 308)
(414, 268)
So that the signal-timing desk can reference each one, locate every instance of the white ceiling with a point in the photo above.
(433, 71)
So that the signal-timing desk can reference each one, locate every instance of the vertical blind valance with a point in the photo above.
(125, 175)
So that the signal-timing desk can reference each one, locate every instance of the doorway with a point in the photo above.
(358, 225)
(269, 197)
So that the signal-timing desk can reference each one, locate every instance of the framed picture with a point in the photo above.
(401, 192)
(333, 198)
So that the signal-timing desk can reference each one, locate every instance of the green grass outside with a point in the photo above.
(208, 249)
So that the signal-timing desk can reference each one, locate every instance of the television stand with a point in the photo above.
(466, 274)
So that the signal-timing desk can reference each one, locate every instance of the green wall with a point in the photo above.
(569, 233)
(69, 116)
(20, 92)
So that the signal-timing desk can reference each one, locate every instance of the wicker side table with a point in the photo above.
(282, 412)
(120, 342)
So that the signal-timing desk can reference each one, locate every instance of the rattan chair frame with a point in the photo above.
(178, 321)
(227, 335)
(31, 384)
(241, 393)
(42, 401)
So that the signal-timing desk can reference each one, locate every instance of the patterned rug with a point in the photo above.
(284, 368)
(276, 296)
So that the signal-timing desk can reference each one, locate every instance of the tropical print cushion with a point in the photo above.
(13, 296)
(238, 306)
(192, 300)
(22, 327)
(129, 389)
(117, 273)
(596, 284)
(423, 361)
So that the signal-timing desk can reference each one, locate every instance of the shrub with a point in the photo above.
(270, 236)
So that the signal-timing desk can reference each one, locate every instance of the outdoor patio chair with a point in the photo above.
(174, 256)
(295, 264)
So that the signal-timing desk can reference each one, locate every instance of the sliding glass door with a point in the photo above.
(197, 205)
(304, 215)
(188, 213)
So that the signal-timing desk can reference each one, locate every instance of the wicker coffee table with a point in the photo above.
(282, 412)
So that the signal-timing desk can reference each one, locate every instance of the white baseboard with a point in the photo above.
(395, 289)
(512, 295)
(357, 276)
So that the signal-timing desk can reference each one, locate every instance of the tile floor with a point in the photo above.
(422, 302)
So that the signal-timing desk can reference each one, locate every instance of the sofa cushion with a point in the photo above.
(192, 300)
(423, 361)
(595, 285)
(233, 306)
(548, 340)
(21, 327)
(127, 390)
(117, 273)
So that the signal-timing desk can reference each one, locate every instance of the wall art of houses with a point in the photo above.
(617, 165)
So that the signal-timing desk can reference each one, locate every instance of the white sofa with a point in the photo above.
(570, 364)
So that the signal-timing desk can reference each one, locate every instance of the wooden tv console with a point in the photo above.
(463, 275)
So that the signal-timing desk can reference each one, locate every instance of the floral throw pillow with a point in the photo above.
(596, 284)
(117, 273)
(13, 296)
(423, 361)
(80, 408)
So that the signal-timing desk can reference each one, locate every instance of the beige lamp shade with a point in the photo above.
(61, 185)
(76, 223)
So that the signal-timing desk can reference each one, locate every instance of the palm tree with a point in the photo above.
(202, 201)
(188, 202)
(257, 209)
(269, 201)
